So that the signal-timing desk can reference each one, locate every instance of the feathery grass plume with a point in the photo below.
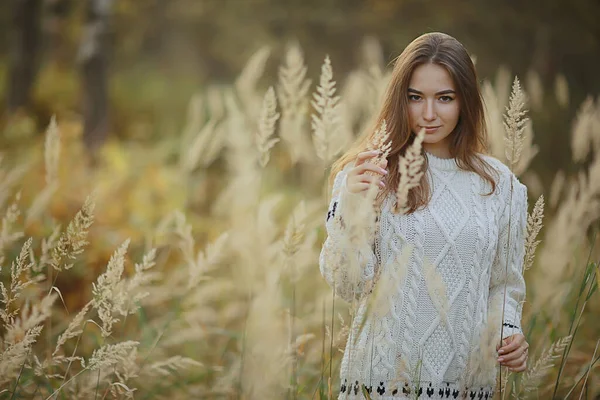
(170, 365)
(541, 368)
(436, 288)
(393, 274)
(52, 157)
(579, 209)
(201, 143)
(266, 364)
(30, 317)
(135, 284)
(380, 141)
(534, 225)
(203, 261)
(10, 179)
(246, 83)
(411, 171)
(561, 90)
(13, 355)
(46, 247)
(22, 265)
(292, 239)
(514, 124)
(74, 329)
(52, 151)
(73, 240)
(292, 92)
(107, 298)
(7, 237)
(582, 133)
(195, 151)
(266, 127)
(110, 355)
(326, 123)
(482, 365)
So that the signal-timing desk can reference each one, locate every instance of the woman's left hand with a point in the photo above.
(513, 353)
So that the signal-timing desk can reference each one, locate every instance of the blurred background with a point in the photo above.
(151, 105)
(133, 65)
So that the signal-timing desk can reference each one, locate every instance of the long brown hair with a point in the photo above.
(468, 138)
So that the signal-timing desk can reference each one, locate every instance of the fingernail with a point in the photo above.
(500, 359)
(382, 184)
(383, 171)
(500, 351)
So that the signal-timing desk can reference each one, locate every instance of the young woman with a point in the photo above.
(467, 219)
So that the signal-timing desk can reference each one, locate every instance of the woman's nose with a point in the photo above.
(429, 113)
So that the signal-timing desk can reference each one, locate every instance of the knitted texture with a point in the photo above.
(419, 348)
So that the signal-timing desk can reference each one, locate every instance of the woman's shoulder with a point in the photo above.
(504, 175)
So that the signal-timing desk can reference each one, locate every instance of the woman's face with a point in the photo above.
(433, 104)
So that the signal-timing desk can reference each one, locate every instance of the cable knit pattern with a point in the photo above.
(414, 349)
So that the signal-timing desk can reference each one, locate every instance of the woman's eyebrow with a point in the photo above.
(447, 91)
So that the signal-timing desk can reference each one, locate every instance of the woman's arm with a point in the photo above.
(507, 268)
(345, 267)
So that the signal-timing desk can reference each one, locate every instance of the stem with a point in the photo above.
(568, 348)
(588, 371)
(577, 383)
(506, 277)
(294, 359)
(63, 385)
(19, 376)
(331, 341)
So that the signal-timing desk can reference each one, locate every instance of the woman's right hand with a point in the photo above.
(358, 180)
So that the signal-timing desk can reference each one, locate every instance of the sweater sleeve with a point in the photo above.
(345, 268)
(511, 251)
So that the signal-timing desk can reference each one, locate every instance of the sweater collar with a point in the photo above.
(444, 164)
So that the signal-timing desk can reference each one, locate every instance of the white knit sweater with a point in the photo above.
(414, 348)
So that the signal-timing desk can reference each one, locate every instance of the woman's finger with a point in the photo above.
(369, 179)
(513, 355)
(361, 169)
(514, 344)
(364, 156)
(520, 368)
(516, 362)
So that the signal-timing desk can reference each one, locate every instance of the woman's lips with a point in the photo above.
(431, 130)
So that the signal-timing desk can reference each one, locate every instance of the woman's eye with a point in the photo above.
(413, 97)
(446, 99)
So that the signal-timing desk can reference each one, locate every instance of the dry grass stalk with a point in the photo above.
(74, 329)
(482, 365)
(108, 299)
(14, 355)
(325, 123)
(534, 225)
(247, 81)
(21, 266)
(266, 127)
(380, 141)
(411, 171)
(583, 134)
(541, 368)
(73, 240)
(292, 92)
(514, 124)
(7, 236)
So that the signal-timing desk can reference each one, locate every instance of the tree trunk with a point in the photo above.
(25, 45)
(94, 57)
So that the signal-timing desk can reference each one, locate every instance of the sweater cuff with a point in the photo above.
(510, 329)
